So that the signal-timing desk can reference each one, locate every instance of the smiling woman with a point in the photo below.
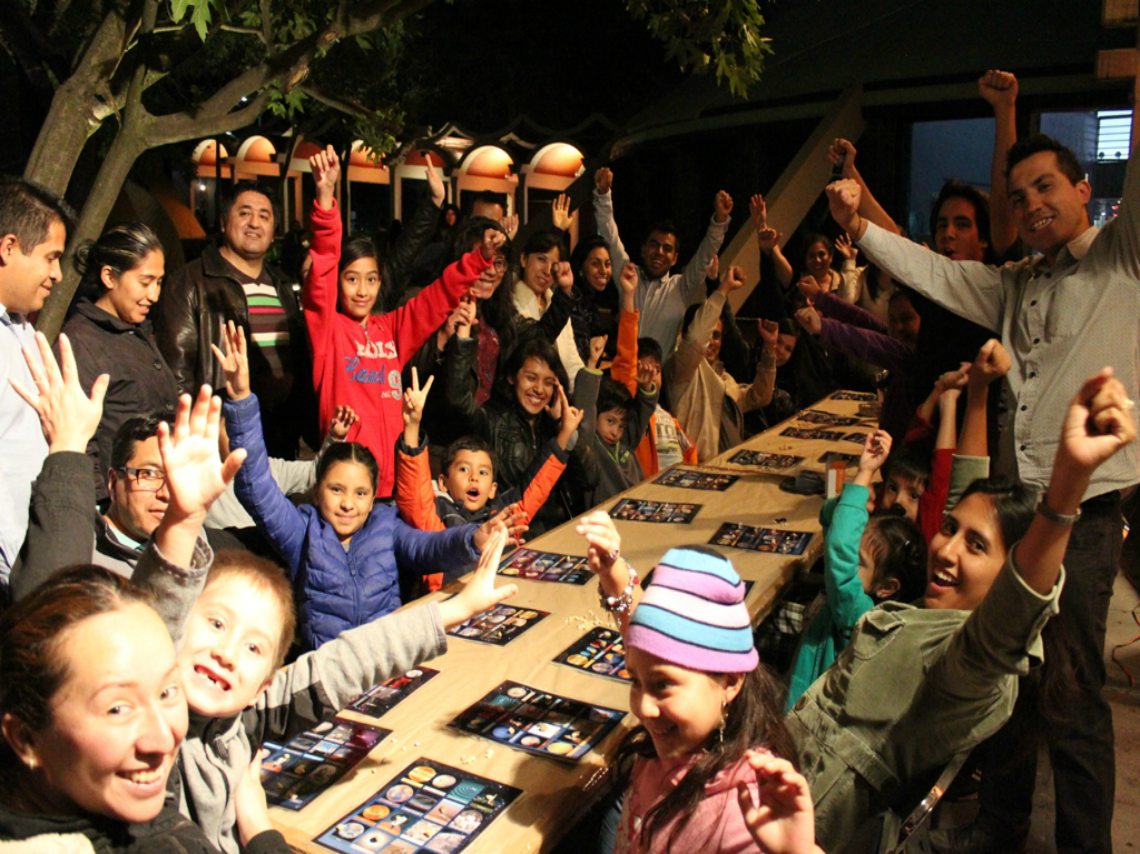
(92, 712)
(110, 332)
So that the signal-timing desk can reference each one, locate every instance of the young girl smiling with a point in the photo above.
(357, 355)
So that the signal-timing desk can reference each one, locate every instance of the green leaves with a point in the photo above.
(200, 14)
(724, 37)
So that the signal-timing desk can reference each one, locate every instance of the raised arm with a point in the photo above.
(967, 288)
(842, 151)
(999, 89)
(321, 288)
(624, 367)
(693, 277)
(61, 522)
(768, 240)
(691, 349)
(604, 217)
(414, 236)
(992, 363)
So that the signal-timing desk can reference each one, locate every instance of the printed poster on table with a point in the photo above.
(498, 625)
(664, 512)
(866, 396)
(600, 651)
(765, 460)
(819, 416)
(801, 433)
(534, 721)
(694, 479)
(774, 540)
(381, 699)
(428, 807)
(296, 772)
(546, 566)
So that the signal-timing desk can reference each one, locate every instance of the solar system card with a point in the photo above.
(764, 460)
(801, 433)
(427, 807)
(296, 772)
(600, 651)
(664, 512)
(819, 416)
(694, 479)
(864, 396)
(534, 565)
(537, 722)
(498, 625)
(381, 699)
(773, 540)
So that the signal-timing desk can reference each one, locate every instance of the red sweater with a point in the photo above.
(360, 365)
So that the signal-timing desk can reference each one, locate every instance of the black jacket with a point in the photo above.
(197, 301)
(141, 381)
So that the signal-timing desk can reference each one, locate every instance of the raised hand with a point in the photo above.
(810, 319)
(493, 239)
(769, 333)
(1098, 424)
(843, 197)
(234, 361)
(560, 212)
(841, 150)
(648, 373)
(783, 821)
(435, 183)
(712, 271)
(603, 551)
(998, 88)
(759, 210)
(991, 363)
(603, 181)
(68, 416)
(563, 277)
(195, 474)
(952, 380)
(722, 206)
(627, 281)
(597, 350)
(732, 279)
(480, 593)
(414, 398)
(846, 248)
(343, 419)
(809, 287)
(326, 173)
(512, 517)
(464, 316)
(510, 225)
(768, 238)
(876, 449)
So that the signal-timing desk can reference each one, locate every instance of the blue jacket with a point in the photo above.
(335, 589)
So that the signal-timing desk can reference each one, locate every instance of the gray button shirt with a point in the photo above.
(1060, 323)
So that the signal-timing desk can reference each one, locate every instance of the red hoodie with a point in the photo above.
(360, 365)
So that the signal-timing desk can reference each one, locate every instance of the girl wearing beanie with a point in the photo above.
(704, 770)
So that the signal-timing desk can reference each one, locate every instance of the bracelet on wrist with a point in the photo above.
(1052, 515)
(623, 602)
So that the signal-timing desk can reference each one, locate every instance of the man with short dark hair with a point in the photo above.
(662, 297)
(1063, 316)
(33, 232)
(231, 281)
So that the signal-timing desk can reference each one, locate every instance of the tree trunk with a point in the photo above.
(128, 145)
(72, 117)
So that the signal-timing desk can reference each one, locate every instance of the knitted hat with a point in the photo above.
(692, 614)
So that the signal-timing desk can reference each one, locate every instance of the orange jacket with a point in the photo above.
(624, 370)
(421, 508)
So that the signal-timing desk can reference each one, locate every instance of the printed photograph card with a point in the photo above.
(537, 722)
(381, 699)
(427, 807)
(774, 540)
(665, 512)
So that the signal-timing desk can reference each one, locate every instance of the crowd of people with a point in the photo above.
(209, 476)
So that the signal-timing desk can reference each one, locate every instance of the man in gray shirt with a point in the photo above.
(1063, 315)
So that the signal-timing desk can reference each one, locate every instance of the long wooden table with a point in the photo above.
(556, 794)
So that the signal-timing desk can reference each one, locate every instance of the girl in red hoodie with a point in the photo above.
(358, 356)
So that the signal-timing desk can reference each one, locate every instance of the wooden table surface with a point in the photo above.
(556, 794)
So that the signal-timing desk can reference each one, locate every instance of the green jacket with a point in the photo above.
(913, 689)
(843, 520)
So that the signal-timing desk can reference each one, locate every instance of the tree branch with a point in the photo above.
(351, 108)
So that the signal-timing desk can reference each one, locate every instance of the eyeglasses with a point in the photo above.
(150, 480)
(499, 263)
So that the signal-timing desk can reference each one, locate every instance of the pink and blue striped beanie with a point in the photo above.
(692, 614)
